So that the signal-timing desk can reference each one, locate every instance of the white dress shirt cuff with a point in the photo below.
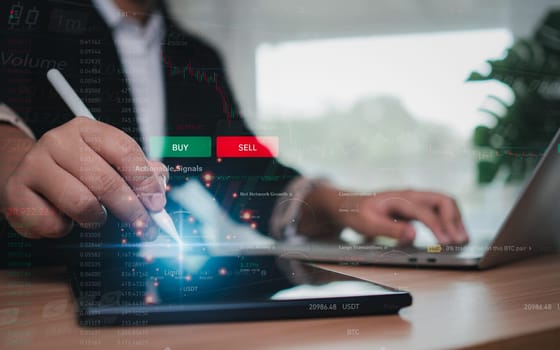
(7, 115)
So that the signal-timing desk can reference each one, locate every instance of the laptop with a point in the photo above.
(531, 227)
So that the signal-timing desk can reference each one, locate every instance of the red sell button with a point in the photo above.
(246, 146)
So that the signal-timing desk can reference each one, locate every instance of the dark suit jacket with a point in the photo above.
(73, 37)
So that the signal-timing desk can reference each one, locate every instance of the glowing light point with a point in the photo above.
(123, 241)
(138, 223)
(253, 225)
(191, 219)
(149, 299)
(207, 177)
(246, 215)
(234, 195)
(222, 271)
(188, 278)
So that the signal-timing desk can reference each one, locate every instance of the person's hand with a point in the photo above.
(386, 214)
(73, 173)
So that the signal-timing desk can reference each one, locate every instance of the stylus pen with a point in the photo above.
(77, 106)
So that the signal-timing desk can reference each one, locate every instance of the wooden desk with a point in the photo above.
(451, 309)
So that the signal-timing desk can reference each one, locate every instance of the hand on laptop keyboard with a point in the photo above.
(384, 214)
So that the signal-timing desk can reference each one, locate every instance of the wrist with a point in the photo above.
(319, 216)
(16, 145)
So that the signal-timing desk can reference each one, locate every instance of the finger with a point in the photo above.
(107, 186)
(449, 213)
(34, 217)
(162, 174)
(159, 169)
(420, 212)
(117, 149)
(451, 219)
(125, 155)
(384, 226)
(464, 231)
(374, 223)
(445, 210)
(69, 195)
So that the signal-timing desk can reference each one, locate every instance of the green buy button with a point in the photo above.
(180, 147)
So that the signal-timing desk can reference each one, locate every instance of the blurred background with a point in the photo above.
(373, 95)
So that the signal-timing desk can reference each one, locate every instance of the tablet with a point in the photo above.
(137, 290)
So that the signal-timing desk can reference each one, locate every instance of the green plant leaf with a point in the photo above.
(487, 171)
(481, 136)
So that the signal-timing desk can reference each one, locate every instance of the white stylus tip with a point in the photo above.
(164, 221)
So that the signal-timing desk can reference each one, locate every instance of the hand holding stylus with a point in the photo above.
(75, 171)
(76, 105)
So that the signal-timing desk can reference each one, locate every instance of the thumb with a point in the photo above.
(159, 169)
(162, 174)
